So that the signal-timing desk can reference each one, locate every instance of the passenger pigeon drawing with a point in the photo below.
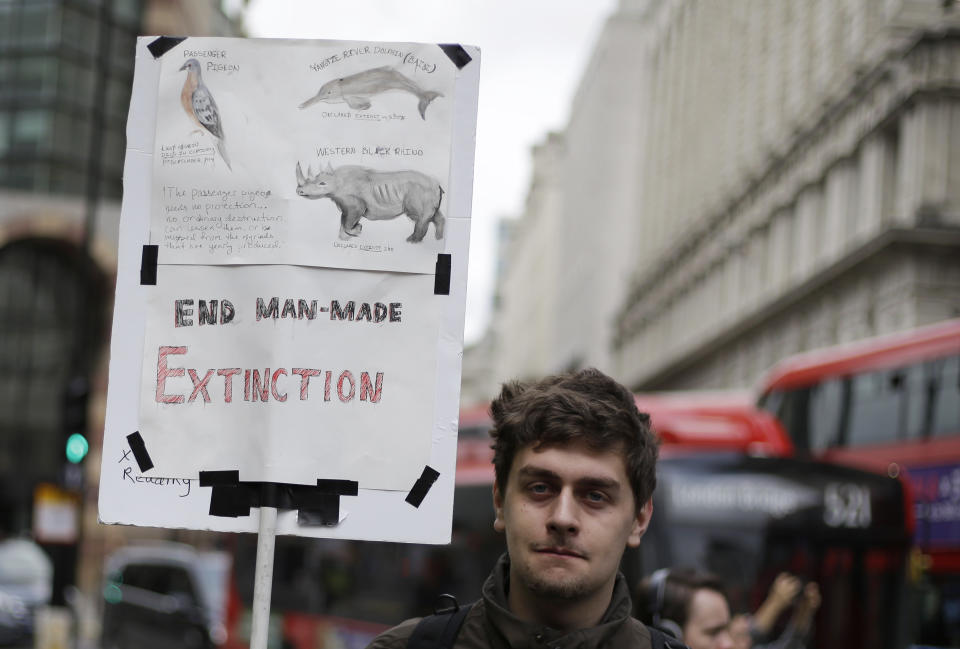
(200, 106)
(357, 89)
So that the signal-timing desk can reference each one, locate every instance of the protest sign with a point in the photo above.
(291, 287)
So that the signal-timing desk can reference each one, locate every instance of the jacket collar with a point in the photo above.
(507, 630)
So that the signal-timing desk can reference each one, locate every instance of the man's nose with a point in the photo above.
(564, 514)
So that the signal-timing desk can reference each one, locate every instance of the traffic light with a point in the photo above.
(77, 447)
(75, 419)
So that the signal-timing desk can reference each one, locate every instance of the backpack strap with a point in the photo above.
(439, 631)
(661, 640)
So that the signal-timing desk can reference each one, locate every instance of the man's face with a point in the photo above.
(708, 622)
(568, 514)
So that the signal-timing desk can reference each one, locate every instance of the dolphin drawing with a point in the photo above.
(357, 89)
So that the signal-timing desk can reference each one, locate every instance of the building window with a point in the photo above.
(80, 31)
(37, 27)
(117, 99)
(6, 25)
(123, 47)
(72, 139)
(31, 130)
(36, 76)
(128, 10)
(76, 83)
(4, 132)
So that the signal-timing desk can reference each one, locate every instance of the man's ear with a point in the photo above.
(640, 524)
(498, 523)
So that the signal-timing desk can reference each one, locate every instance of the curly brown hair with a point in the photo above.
(584, 406)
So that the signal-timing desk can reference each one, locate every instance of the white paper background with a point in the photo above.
(128, 496)
(266, 135)
(381, 445)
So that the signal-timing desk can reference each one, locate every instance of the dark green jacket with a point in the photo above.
(490, 624)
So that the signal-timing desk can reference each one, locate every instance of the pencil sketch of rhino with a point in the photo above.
(376, 195)
(357, 89)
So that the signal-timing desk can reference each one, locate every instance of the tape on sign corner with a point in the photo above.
(148, 265)
(456, 53)
(164, 44)
(135, 440)
(441, 280)
(422, 486)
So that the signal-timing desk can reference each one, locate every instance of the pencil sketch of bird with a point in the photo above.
(200, 106)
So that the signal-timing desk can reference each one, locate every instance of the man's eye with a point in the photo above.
(596, 496)
(538, 488)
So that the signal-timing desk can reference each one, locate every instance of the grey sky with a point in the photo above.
(533, 54)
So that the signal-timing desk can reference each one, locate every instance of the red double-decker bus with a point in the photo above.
(684, 421)
(891, 405)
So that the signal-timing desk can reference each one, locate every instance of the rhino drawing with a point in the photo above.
(376, 195)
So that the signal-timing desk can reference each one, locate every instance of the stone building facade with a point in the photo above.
(800, 184)
(566, 265)
(738, 182)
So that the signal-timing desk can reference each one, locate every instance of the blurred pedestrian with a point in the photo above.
(575, 471)
(692, 606)
(754, 631)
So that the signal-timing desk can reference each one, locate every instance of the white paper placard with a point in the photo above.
(229, 194)
(318, 350)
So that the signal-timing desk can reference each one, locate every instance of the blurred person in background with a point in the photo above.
(691, 606)
(754, 631)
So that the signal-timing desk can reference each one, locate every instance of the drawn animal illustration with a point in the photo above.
(357, 89)
(201, 108)
(361, 192)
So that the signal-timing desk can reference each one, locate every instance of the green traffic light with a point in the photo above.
(77, 447)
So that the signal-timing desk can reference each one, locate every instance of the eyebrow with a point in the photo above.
(594, 482)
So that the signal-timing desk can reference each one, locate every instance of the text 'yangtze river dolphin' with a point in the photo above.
(357, 89)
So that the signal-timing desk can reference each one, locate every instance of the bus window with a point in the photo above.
(793, 410)
(946, 398)
(876, 407)
(811, 415)
(915, 393)
(826, 409)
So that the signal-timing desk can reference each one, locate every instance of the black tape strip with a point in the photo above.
(148, 266)
(139, 451)
(217, 478)
(422, 486)
(338, 487)
(164, 44)
(456, 53)
(229, 501)
(327, 516)
(441, 281)
(317, 505)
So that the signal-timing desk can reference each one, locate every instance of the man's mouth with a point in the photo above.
(560, 551)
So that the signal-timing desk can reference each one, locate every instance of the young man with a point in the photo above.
(575, 471)
(692, 605)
